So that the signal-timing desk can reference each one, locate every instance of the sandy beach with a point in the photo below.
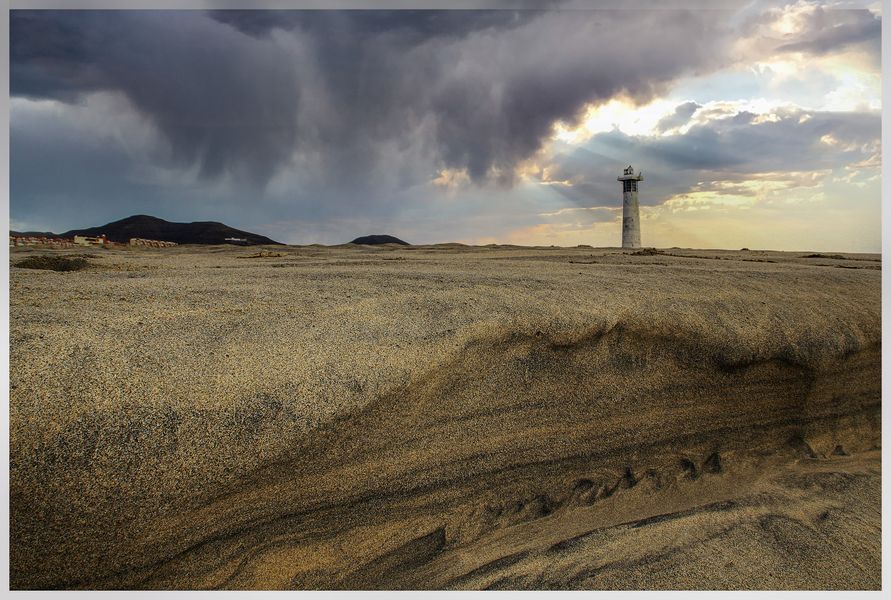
(445, 417)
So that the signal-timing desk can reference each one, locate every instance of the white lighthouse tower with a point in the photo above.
(630, 208)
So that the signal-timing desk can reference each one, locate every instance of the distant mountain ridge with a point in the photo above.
(153, 228)
(378, 239)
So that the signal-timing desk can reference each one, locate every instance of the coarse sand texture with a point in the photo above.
(445, 417)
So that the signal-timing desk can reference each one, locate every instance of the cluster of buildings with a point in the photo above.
(33, 240)
(82, 240)
(151, 243)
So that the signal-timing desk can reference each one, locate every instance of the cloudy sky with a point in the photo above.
(755, 125)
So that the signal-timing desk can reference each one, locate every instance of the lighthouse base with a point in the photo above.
(630, 221)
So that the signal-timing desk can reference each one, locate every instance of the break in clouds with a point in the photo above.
(317, 114)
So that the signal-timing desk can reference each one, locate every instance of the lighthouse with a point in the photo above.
(630, 209)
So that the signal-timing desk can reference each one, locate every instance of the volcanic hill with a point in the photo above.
(147, 227)
(373, 240)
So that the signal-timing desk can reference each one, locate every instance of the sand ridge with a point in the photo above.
(176, 409)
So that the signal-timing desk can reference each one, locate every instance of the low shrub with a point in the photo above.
(53, 263)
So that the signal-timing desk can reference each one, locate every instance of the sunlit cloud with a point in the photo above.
(873, 162)
(451, 179)
(617, 114)
(653, 119)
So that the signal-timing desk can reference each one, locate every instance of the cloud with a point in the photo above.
(251, 94)
(820, 31)
(353, 119)
(405, 27)
(223, 101)
(810, 28)
(584, 217)
(721, 146)
(680, 116)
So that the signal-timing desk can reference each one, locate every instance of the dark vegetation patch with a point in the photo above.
(646, 252)
(54, 263)
(762, 260)
(262, 254)
(832, 256)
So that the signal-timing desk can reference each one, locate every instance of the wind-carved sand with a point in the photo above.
(446, 417)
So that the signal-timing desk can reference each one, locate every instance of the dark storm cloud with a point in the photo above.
(742, 144)
(829, 30)
(224, 102)
(815, 29)
(63, 178)
(405, 26)
(51, 58)
(498, 111)
(353, 95)
(680, 117)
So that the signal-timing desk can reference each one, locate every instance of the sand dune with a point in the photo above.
(446, 417)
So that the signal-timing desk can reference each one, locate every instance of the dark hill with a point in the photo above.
(378, 239)
(153, 228)
(33, 233)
